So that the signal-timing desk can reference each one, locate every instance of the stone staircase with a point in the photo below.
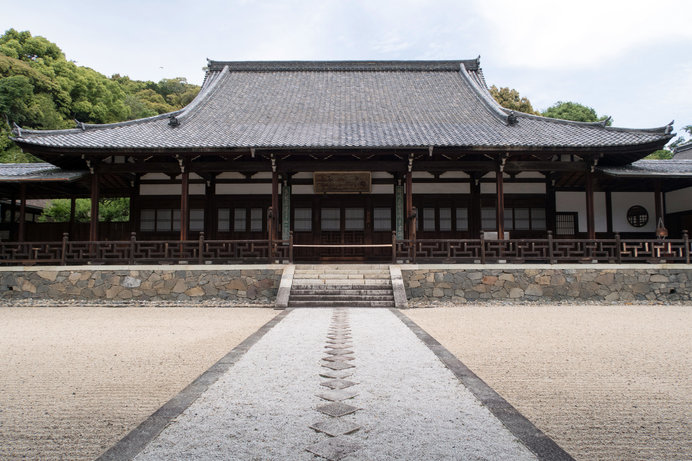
(342, 285)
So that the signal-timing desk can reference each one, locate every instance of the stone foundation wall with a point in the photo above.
(605, 283)
(248, 284)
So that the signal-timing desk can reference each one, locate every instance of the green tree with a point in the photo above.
(110, 210)
(41, 89)
(511, 99)
(574, 111)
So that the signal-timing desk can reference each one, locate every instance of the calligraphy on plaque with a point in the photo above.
(342, 182)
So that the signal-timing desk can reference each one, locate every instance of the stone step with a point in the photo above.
(329, 292)
(340, 275)
(343, 282)
(342, 298)
(292, 303)
(338, 267)
(341, 287)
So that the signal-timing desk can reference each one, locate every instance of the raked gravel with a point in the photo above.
(411, 406)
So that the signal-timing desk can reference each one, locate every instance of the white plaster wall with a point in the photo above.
(231, 175)
(622, 201)
(243, 189)
(454, 174)
(514, 188)
(530, 174)
(155, 176)
(302, 189)
(383, 189)
(441, 188)
(422, 174)
(169, 189)
(679, 200)
(576, 202)
(381, 175)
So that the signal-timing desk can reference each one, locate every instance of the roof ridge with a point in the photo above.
(96, 126)
(598, 124)
(203, 95)
(495, 109)
(342, 66)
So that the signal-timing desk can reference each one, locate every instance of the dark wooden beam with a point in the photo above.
(500, 209)
(590, 221)
(94, 224)
(184, 201)
(22, 213)
(658, 198)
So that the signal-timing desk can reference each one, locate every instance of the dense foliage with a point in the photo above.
(110, 210)
(574, 111)
(510, 98)
(40, 88)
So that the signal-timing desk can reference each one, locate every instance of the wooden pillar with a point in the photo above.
(500, 210)
(475, 207)
(184, 201)
(22, 213)
(134, 206)
(590, 221)
(550, 204)
(609, 212)
(73, 211)
(658, 198)
(13, 213)
(94, 224)
(210, 212)
(409, 205)
(286, 208)
(275, 204)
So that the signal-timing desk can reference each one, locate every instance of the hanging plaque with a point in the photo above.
(342, 182)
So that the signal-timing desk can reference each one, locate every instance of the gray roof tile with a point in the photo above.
(342, 104)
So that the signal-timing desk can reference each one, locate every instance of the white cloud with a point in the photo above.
(553, 34)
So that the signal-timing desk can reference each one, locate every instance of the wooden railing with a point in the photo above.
(201, 251)
(549, 250)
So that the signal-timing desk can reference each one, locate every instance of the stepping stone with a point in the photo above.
(337, 395)
(337, 365)
(337, 409)
(338, 384)
(340, 346)
(339, 352)
(334, 449)
(335, 427)
(336, 374)
(339, 342)
(338, 358)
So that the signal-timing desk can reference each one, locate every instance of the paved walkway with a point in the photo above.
(338, 384)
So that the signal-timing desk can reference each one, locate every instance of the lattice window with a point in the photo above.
(354, 219)
(462, 219)
(565, 223)
(382, 219)
(224, 219)
(331, 219)
(302, 219)
(428, 219)
(256, 220)
(197, 219)
(488, 219)
(445, 219)
(239, 220)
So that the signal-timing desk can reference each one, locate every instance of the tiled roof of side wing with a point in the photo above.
(342, 104)
(19, 172)
(652, 168)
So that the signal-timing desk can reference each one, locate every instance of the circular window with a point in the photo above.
(637, 216)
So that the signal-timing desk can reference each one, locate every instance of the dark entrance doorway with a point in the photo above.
(335, 222)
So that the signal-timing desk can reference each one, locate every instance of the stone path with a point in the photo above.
(336, 384)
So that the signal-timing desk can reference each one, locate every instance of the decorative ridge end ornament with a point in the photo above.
(80, 125)
(173, 121)
(669, 127)
(17, 129)
(512, 118)
(605, 121)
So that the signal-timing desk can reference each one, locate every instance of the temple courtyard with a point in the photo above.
(604, 382)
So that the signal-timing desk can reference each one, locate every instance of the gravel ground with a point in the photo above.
(74, 380)
(412, 407)
(605, 382)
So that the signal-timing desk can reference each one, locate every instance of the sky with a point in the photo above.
(630, 59)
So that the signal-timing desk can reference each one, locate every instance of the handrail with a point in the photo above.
(547, 250)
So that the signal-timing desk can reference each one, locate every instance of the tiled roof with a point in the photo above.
(683, 151)
(652, 168)
(342, 104)
(32, 172)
